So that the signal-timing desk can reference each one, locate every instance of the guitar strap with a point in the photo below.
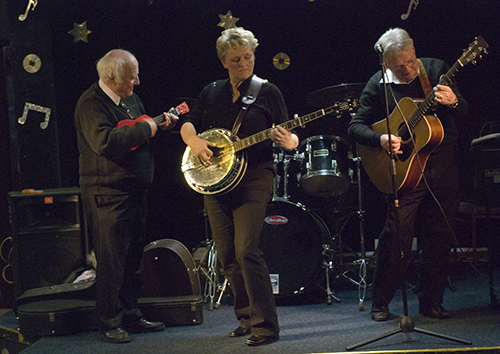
(424, 79)
(248, 99)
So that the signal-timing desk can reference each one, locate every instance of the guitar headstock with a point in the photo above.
(474, 52)
(183, 108)
(348, 105)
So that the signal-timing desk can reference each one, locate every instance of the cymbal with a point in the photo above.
(329, 95)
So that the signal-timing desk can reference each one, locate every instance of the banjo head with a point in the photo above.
(225, 164)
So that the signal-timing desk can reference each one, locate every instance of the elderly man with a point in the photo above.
(116, 169)
(432, 204)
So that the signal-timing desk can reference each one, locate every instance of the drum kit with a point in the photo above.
(324, 171)
(298, 245)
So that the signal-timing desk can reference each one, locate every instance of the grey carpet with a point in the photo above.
(312, 326)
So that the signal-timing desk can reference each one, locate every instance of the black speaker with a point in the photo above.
(49, 240)
(487, 177)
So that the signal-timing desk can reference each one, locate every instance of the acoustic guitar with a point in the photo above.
(420, 134)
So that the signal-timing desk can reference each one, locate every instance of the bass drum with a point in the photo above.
(292, 241)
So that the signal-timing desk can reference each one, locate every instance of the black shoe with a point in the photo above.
(143, 326)
(435, 311)
(261, 340)
(380, 313)
(115, 335)
(239, 332)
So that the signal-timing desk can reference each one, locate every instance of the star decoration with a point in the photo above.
(227, 20)
(80, 32)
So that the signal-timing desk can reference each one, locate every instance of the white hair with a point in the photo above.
(111, 66)
(395, 41)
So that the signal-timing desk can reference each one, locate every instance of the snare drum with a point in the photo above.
(292, 241)
(325, 169)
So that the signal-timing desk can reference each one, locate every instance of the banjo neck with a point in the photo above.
(289, 125)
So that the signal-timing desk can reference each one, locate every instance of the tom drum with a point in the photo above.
(325, 169)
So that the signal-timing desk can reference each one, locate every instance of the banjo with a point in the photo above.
(228, 163)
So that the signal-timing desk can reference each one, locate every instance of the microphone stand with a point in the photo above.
(406, 324)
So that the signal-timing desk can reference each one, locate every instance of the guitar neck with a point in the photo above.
(417, 116)
(161, 118)
(289, 125)
(470, 55)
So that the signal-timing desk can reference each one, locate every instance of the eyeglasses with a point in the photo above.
(410, 63)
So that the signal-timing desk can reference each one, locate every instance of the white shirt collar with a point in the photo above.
(116, 99)
(390, 78)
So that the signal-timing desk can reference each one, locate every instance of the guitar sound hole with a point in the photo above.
(407, 150)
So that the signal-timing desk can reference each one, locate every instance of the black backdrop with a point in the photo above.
(329, 42)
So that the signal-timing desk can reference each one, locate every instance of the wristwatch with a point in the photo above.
(454, 104)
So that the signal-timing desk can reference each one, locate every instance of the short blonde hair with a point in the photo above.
(233, 37)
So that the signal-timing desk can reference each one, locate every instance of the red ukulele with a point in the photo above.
(183, 108)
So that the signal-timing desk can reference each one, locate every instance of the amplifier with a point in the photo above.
(49, 242)
(487, 177)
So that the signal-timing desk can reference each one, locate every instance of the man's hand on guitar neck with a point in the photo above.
(444, 95)
(395, 143)
(170, 121)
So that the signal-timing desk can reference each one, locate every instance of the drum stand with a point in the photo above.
(282, 157)
(362, 262)
(209, 267)
(328, 265)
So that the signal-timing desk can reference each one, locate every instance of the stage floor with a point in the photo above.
(309, 325)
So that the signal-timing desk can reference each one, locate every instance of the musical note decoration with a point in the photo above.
(407, 14)
(34, 107)
(23, 16)
(227, 20)
(80, 32)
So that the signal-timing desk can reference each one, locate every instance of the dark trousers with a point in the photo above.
(117, 225)
(419, 211)
(236, 221)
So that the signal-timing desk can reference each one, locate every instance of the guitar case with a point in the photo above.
(168, 294)
(171, 294)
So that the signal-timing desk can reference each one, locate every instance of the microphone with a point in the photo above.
(379, 48)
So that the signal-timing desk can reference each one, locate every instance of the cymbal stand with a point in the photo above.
(329, 266)
(210, 272)
(362, 262)
(209, 267)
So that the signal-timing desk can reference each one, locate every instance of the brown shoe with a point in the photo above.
(380, 313)
(435, 311)
(239, 332)
(261, 340)
(115, 335)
